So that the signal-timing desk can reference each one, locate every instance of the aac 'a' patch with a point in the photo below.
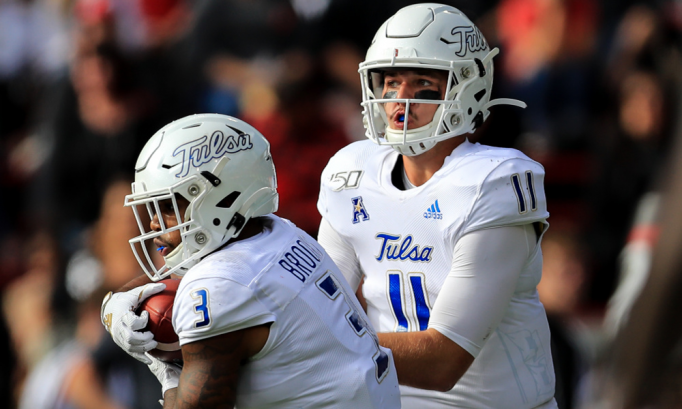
(359, 211)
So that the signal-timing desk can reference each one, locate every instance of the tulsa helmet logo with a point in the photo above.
(469, 39)
(203, 150)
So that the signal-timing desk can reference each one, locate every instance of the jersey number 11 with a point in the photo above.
(418, 318)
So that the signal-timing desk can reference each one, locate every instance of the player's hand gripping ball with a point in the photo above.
(160, 309)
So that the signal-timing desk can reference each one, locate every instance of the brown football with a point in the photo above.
(160, 309)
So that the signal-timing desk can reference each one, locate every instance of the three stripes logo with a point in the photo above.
(433, 212)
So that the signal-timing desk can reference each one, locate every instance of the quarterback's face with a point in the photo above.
(419, 84)
(166, 243)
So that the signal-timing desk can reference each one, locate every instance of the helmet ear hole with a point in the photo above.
(480, 94)
(481, 67)
(228, 200)
(478, 120)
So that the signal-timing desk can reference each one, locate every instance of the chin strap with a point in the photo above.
(500, 101)
(505, 101)
(492, 53)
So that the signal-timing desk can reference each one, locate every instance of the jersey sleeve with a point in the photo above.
(211, 306)
(326, 186)
(476, 293)
(513, 193)
(341, 252)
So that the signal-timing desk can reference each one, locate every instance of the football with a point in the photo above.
(160, 309)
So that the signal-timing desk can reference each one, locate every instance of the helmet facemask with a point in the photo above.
(193, 238)
(447, 121)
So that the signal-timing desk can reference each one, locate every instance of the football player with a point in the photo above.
(264, 317)
(441, 236)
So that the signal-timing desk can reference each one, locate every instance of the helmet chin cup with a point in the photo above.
(398, 138)
(174, 264)
(174, 257)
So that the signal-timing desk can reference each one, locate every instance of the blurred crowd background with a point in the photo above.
(84, 84)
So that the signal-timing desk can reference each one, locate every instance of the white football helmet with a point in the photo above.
(429, 36)
(222, 166)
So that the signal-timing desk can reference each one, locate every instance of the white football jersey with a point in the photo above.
(404, 241)
(321, 351)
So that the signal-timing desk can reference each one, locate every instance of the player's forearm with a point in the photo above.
(210, 374)
(169, 398)
(192, 400)
(426, 359)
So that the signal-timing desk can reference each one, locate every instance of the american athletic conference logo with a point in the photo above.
(359, 211)
(433, 212)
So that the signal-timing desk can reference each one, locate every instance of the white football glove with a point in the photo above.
(168, 374)
(119, 318)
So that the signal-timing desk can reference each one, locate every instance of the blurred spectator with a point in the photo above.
(33, 49)
(530, 33)
(93, 135)
(635, 263)
(66, 376)
(632, 133)
(554, 73)
(644, 368)
(26, 306)
(561, 292)
(69, 359)
(563, 274)
(97, 119)
(8, 365)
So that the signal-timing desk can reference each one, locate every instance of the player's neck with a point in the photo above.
(419, 169)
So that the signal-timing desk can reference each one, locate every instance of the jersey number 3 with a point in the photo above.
(201, 307)
(525, 202)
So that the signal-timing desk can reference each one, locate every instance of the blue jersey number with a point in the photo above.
(517, 185)
(331, 289)
(201, 308)
(418, 317)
